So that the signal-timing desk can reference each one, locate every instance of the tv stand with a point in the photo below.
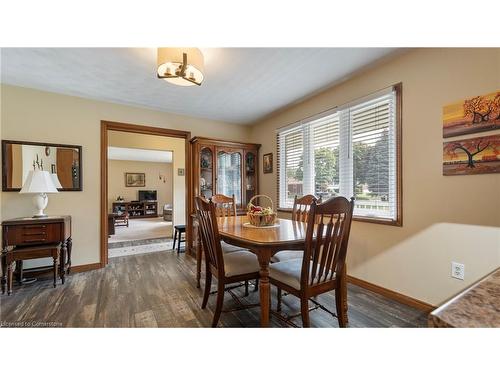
(137, 210)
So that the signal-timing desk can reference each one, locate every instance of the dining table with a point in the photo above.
(264, 242)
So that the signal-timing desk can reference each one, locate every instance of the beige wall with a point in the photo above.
(116, 181)
(46, 117)
(445, 218)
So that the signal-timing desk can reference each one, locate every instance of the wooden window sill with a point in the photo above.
(362, 219)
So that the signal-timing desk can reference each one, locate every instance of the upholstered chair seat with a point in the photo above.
(285, 255)
(240, 263)
(227, 248)
(289, 272)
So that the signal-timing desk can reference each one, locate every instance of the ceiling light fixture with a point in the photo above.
(181, 66)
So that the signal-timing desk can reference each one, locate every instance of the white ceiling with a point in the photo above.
(138, 154)
(241, 85)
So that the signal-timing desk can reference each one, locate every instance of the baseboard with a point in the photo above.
(85, 267)
(420, 305)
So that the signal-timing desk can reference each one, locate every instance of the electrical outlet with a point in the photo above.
(457, 270)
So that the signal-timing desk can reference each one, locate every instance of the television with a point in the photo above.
(147, 195)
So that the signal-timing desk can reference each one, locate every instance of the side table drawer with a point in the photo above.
(33, 234)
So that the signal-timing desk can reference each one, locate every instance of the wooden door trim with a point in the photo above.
(138, 129)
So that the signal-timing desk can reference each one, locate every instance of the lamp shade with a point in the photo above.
(56, 181)
(38, 182)
(171, 66)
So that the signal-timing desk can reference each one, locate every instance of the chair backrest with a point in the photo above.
(224, 206)
(327, 235)
(302, 206)
(209, 233)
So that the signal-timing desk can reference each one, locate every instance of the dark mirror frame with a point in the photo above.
(4, 162)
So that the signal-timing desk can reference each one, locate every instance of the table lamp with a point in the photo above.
(55, 180)
(39, 183)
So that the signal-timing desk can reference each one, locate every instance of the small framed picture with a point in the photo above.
(180, 172)
(135, 179)
(268, 163)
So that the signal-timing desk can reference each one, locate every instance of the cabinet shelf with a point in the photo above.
(137, 210)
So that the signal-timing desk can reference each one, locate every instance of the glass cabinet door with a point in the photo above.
(229, 174)
(206, 172)
(250, 174)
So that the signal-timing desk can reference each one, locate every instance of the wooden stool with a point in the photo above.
(31, 252)
(179, 229)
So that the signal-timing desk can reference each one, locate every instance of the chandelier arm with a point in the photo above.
(167, 76)
(182, 72)
(191, 80)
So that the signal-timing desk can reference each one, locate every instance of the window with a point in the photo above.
(353, 150)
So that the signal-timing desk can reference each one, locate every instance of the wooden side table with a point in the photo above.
(28, 232)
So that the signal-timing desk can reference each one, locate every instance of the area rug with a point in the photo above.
(140, 247)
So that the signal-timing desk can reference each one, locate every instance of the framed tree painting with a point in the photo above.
(472, 156)
(135, 179)
(473, 115)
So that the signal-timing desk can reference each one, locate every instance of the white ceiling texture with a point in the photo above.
(241, 86)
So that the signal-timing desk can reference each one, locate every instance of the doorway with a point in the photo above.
(157, 216)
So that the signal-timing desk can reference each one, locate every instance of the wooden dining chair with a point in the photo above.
(320, 269)
(224, 207)
(302, 206)
(228, 268)
(300, 212)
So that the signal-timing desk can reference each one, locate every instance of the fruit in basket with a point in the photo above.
(260, 216)
(259, 210)
(254, 209)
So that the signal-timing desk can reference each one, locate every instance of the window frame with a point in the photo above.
(398, 221)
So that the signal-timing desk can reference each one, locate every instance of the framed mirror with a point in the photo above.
(20, 157)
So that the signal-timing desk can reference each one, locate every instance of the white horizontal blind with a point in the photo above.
(325, 157)
(373, 153)
(291, 155)
(348, 152)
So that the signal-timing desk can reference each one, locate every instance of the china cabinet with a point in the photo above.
(223, 167)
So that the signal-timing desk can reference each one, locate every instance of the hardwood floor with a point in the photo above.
(159, 290)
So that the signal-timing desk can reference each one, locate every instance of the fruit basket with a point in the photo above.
(259, 216)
